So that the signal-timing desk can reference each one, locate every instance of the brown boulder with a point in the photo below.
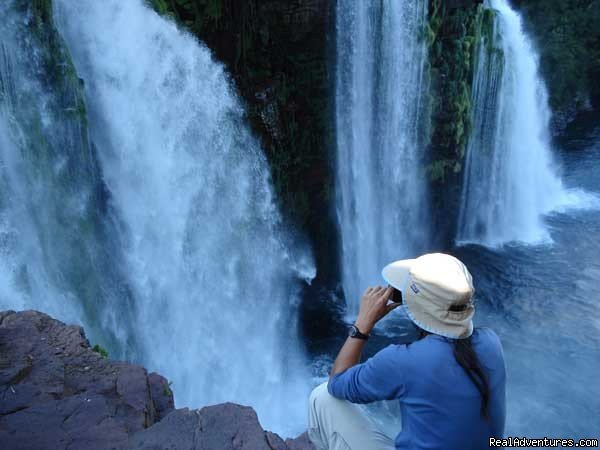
(57, 393)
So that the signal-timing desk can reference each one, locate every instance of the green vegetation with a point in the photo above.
(98, 349)
(167, 392)
(42, 12)
(567, 35)
(56, 64)
(452, 36)
(454, 32)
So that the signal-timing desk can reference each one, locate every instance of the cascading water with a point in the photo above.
(510, 180)
(56, 251)
(380, 187)
(164, 231)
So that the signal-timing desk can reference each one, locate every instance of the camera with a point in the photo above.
(396, 295)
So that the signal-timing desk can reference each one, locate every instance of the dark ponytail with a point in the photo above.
(467, 359)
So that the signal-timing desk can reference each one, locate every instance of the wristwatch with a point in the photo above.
(355, 333)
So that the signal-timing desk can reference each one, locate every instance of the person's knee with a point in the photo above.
(324, 405)
(319, 393)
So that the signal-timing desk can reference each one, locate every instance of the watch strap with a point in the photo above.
(357, 334)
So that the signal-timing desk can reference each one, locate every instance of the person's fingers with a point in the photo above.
(386, 294)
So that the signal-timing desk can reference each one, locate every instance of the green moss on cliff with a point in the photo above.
(42, 13)
(100, 350)
(59, 72)
(452, 34)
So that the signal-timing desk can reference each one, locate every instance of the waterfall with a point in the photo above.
(56, 252)
(381, 57)
(510, 180)
(160, 229)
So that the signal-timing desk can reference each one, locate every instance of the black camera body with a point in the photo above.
(396, 295)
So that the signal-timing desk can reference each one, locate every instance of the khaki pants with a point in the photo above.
(335, 424)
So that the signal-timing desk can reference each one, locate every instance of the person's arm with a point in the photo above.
(373, 307)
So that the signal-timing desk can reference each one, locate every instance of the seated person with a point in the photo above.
(450, 383)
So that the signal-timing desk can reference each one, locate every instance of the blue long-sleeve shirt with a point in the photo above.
(440, 405)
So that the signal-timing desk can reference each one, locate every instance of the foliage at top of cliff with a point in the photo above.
(567, 35)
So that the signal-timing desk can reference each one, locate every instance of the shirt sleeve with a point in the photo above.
(382, 377)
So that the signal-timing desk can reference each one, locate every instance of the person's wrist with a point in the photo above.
(364, 326)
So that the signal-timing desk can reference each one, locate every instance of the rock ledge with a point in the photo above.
(57, 393)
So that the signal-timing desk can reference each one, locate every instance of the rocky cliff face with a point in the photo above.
(57, 393)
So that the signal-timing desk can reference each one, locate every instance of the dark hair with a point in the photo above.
(467, 359)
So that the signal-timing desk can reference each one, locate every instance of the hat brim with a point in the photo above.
(396, 274)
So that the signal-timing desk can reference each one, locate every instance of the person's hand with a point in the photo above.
(373, 307)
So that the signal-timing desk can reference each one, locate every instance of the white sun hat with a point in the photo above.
(437, 291)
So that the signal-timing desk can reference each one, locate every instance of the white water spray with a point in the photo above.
(510, 178)
(211, 279)
(380, 181)
(54, 246)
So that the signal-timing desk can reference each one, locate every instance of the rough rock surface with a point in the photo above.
(222, 427)
(57, 393)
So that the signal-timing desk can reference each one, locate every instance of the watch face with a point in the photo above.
(353, 331)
